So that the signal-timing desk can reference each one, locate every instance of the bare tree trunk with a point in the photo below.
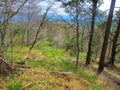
(106, 37)
(82, 40)
(77, 36)
(96, 52)
(28, 23)
(28, 30)
(3, 35)
(2, 40)
(23, 37)
(11, 42)
(109, 50)
(88, 59)
(28, 35)
(77, 40)
(39, 28)
(114, 45)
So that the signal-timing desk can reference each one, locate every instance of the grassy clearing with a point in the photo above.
(41, 63)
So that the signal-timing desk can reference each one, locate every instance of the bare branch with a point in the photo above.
(39, 28)
(15, 12)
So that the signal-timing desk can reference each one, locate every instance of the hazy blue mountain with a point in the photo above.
(51, 17)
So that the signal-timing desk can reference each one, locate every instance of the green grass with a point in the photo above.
(43, 44)
(83, 55)
(53, 60)
(14, 85)
(91, 78)
(15, 58)
(67, 65)
(95, 86)
(53, 52)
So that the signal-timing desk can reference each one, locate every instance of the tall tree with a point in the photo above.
(74, 9)
(106, 37)
(77, 32)
(94, 2)
(114, 44)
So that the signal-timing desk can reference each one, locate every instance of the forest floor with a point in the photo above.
(109, 79)
(53, 69)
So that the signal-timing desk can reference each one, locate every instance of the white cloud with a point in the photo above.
(55, 9)
(43, 4)
(106, 5)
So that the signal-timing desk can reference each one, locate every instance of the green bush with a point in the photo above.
(43, 44)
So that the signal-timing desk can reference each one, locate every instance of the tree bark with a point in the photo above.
(106, 37)
(77, 36)
(28, 30)
(82, 40)
(88, 59)
(114, 45)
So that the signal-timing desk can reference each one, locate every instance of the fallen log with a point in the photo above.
(5, 67)
(20, 63)
(61, 73)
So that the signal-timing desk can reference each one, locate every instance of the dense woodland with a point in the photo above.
(40, 50)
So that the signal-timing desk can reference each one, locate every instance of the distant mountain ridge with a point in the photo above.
(51, 17)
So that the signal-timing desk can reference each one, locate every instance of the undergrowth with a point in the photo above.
(49, 60)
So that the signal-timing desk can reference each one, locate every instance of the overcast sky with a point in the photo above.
(106, 4)
(60, 11)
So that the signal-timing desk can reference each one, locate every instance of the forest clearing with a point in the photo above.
(59, 45)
